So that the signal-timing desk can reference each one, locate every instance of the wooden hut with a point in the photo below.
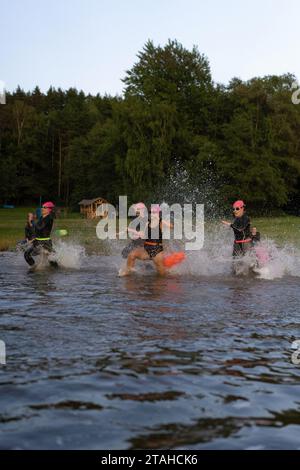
(88, 208)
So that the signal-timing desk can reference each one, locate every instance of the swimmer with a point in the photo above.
(42, 240)
(152, 248)
(29, 232)
(241, 228)
(137, 240)
(30, 227)
(255, 236)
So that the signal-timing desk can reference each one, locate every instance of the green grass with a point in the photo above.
(285, 229)
(12, 223)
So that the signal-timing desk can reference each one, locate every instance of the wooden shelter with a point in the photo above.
(88, 208)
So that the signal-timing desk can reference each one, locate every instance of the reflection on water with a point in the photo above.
(94, 361)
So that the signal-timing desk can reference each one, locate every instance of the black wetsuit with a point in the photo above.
(255, 238)
(133, 244)
(153, 246)
(42, 239)
(242, 235)
(29, 231)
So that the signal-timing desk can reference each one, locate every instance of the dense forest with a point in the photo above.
(244, 138)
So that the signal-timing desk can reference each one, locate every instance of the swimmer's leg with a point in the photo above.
(33, 250)
(158, 261)
(128, 248)
(138, 253)
(48, 248)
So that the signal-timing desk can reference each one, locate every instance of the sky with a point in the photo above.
(89, 44)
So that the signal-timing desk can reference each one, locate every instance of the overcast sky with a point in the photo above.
(90, 44)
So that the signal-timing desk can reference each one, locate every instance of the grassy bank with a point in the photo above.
(285, 229)
(12, 223)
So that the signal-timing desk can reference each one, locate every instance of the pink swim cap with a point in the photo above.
(48, 205)
(238, 204)
(155, 208)
(139, 206)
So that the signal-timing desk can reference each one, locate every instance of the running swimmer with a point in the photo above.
(137, 241)
(152, 248)
(42, 241)
(255, 236)
(29, 232)
(241, 229)
(30, 227)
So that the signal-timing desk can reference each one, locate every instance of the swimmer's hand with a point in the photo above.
(132, 230)
(167, 224)
(129, 230)
(224, 222)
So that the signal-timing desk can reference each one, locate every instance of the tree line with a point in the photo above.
(243, 138)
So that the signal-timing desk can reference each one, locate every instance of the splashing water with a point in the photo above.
(182, 187)
(283, 261)
(68, 255)
(215, 259)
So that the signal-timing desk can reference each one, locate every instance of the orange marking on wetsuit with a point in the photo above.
(153, 243)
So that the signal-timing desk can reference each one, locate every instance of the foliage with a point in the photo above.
(243, 138)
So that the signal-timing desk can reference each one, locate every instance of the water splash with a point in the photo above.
(283, 261)
(215, 259)
(68, 254)
(182, 187)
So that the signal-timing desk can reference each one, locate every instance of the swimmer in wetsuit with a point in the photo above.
(30, 227)
(152, 248)
(137, 241)
(29, 231)
(241, 228)
(255, 236)
(42, 240)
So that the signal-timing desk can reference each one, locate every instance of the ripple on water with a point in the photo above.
(185, 361)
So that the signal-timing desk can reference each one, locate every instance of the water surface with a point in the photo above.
(187, 361)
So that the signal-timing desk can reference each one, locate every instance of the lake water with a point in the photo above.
(196, 360)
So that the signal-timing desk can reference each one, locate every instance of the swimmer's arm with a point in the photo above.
(142, 233)
(42, 223)
(132, 230)
(241, 229)
(229, 224)
(128, 229)
(167, 224)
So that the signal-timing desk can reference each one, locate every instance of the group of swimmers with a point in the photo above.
(149, 248)
(143, 245)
